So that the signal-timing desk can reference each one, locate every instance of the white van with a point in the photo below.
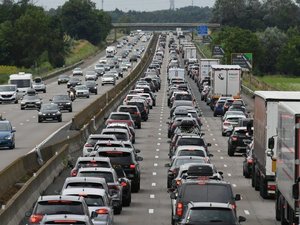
(22, 80)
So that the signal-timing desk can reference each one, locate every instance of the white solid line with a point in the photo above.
(152, 196)
(156, 156)
(153, 184)
(229, 174)
(246, 212)
(225, 165)
(154, 173)
(151, 211)
(221, 157)
(155, 164)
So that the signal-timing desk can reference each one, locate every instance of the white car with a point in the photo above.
(229, 121)
(91, 75)
(39, 85)
(77, 72)
(192, 150)
(149, 99)
(108, 79)
(82, 91)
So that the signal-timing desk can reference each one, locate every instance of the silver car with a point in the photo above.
(82, 91)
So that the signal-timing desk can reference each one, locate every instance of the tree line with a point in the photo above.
(31, 36)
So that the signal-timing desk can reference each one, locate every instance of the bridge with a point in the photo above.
(159, 26)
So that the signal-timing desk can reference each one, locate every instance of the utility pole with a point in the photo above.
(172, 4)
(102, 4)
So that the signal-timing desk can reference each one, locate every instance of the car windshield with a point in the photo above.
(90, 83)
(7, 88)
(81, 87)
(5, 127)
(59, 207)
(108, 75)
(106, 175)
(117, 157)
(30, 97)
(211, 214)
(49, 107)
(63, 76)
(94, 200)
(183, 97)
(131, 110)
(60, 97)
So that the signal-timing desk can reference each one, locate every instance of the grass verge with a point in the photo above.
(283, 83)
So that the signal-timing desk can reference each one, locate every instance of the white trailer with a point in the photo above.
(111, 51)
(22, 80)
(205, 67)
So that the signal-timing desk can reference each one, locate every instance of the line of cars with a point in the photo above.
(198, 193)
(102, 180)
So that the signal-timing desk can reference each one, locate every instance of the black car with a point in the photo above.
(31, 101)
(125, 183)
(62, 79)
(74, 81)
(92, 86)
(128, 160)
(141, 105)
(63, 101)
(133, 58)
(237, 140)
(49, 111)
(134, 112)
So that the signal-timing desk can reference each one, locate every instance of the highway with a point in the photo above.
(152, 204)
(29, 132)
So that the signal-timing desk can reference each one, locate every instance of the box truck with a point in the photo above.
(225, 81)
(177, 73)
(111, 51)
(189, 52)
(265, 127)
(205, 67)
(288, 158)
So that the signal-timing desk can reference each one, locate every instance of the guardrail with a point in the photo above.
(55, 155)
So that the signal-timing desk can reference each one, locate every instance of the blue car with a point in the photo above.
(7, 135)
(218, 109)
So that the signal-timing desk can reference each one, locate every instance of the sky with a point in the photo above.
(126, 5)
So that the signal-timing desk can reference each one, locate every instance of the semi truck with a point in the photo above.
(225, 80)
(111, 51)
(189, 52)
(265, 127)
(205, 67)
(288, 161)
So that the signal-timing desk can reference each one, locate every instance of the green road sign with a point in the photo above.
(244, 60)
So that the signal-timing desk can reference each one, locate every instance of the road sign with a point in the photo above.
(202, 30)
(244, 60)
(218, 51)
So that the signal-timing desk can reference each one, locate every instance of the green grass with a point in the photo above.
(205, 49)
(81, 50)
(284, 83)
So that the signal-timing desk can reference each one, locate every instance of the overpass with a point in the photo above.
(158, 26)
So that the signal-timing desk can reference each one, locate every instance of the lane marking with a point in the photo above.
(159, 133)
(221, 157)
(218, 150)
(208, 129)
(233, 185)
(246, 212)
(159, 138)
(151, 211)
(225, 165)
(214, 139)
(160, 125)
(211, 134)
(157, 150)
(154, 173)
(207, 125)
(159, 129)
(229, 174)
(21, 124)
(155, 164)
(152, 196)
(156, 156)
(153, 184)
(158, 143)
(216, 145)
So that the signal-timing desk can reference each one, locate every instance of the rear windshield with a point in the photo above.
(206, 193)
(119, 117)
(93, 163)
(180, 162)
(117, 157)
(128, 109)
(59, 207)
(206, 215)
(183, 97)
(85, 184)
(94, 200)
(140, 105)
(106, 175)
(191, 141)
(240, 132)
(114, 145)
(120, 136)
(191, 153)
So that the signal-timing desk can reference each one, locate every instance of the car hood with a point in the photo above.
(4, 133)
(61, 101)
(7, 92)
(33, 100)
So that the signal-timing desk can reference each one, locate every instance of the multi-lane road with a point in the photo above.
(29, 132)
(152, 204)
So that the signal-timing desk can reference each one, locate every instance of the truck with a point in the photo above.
(22, 80)
(189, 52)
(287, 157)
(225, 80)
(176, 73)
(265, 127)
(205, 67)
(110, 51)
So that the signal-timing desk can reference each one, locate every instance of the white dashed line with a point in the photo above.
(207, 125)
(221, 157)
(214, 139)
(233, 185)
(159, 138)
(246, 212)
(33, 117)
(216, 145)
(219, 150)
(156, 156)
(152, 196)
(157, 150)
(158, 143)
(160, 125)
(208, 130)
(159, 133)
(153, 184)
(225, 165)
(27, 120)
(155, 164)
(211, 134)
(154, 173)
(229, 174)
(21, 124)
(151, 211)
(159, 129)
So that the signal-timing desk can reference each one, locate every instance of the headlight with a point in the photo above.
(22, 103)
(36, 103)
(68, 103)
(8, 137)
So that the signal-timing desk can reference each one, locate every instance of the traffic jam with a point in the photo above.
(109, 172)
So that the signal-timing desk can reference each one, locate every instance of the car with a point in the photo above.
(176, 163)
(7, 134)
(82, 91)
(192, 150)
(229, 121)
(30, 101)
(203, 190)
(99, 69)
(108, 79)
(248, 160)
(210, 213)
(121, 125)
(39, 85)
(227, 104)
(114, 73)
(121, 134)
(57, 204)
(218, 108)
(134, 112)
(83, 162)
(49, 111)
(92, 140)
(149, 99)
(63, 79)
(91, 75)
(63, 101)
(128, 160)
(237, 141)
(8, 93)
(77, 71)
(66, 219)
(120, 117)
(114, 187)
(73, 82)
(141, 106)
(98, 203)
(92, 86)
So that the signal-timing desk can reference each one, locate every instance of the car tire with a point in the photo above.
(40, 120)
(22, 108)
(127, 201)
(135, 186)
(96, 93)
(230, 151)
(88, 96)
(215, 114)
(102, 84)
(256, 181)
(139, 126)
(16, 102)
(44, 91)
(263, 191)
(71, 110)
(247, 174)
(118, 210)
(12, 146)
(59, 119)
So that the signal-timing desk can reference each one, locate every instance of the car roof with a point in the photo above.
(118, 130)
(102, 159)
(193, 147)
(59, 197)
(210, 205)
(81, 191)
(119, 149)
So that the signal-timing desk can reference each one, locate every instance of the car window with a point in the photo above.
(240, 132)
(117, 157)
(191, 153)
(191, 141)
(59, 207)
(179, 162)
(119, 117)
(5, 127)
(84, 184)
(119, 135)
(94, 200)
(93, 163)
(108, 176)
(131, 110)
(204, 215)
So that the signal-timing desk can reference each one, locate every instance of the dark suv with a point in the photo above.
(142, 107)
(129, 162)
(201, 191)
(63, 101)
(237, 140)
(134, 112)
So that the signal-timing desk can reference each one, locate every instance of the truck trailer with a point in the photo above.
(205, 67)
(265, 127)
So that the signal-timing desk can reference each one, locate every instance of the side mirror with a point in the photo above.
(295, 191)
(221, 173)
(94, 214)
(50, 100)
(13, 131)
(167, 165)
(139, 158)
(271, 143)
(241, 219)
(208, 144)
(244, 155)
(210, 155)
(173, 195)
(237, 197)
(70, 164)
(167, 122)
(137, 150)
(28, 214)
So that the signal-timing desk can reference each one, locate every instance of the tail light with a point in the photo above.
(74, 173)
(179, 209)
(136, 113)
(102, 211)
(88, 145)
(36, 218)
(233, 206)
(123, 184)
(234, 138)
(250, 161)
(226, 124)
(178, 182)
(132, 166)
(272, 187)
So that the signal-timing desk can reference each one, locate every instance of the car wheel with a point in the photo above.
(230, 151)
(215, 114)
(59, 119)
(223, 134)
(87, 96)
(40, 120)
(22, 108)
(118, 210)
(246, 173)
(135, 186)
(127, 201)
(71, 110)
(44, 91)
(16, 102)
(12, 146)
(96, 93)
(102, 84)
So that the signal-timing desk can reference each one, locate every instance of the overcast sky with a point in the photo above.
(126, 5)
